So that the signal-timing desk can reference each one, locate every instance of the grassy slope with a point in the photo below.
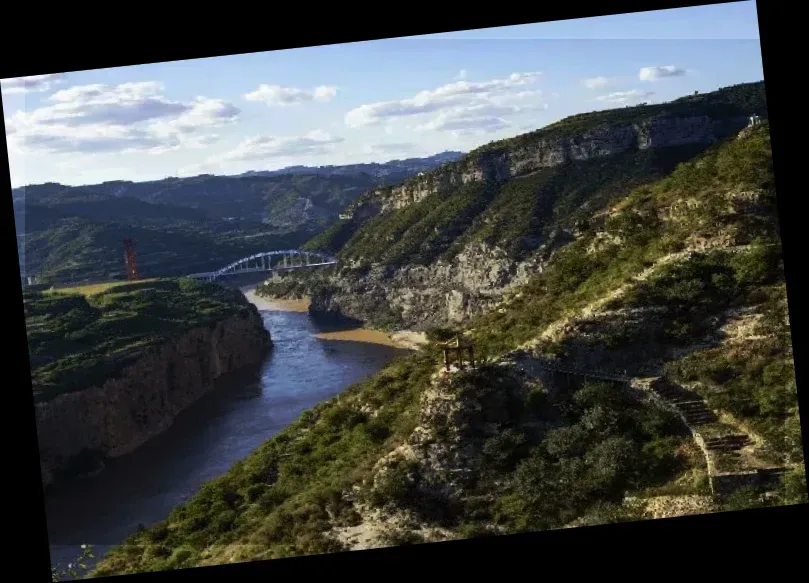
(754, 381)
(75, 233)
(520, 214)
(82, 336)
(79, 249)
(282, 499)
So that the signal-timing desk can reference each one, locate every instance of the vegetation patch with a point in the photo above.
(82, 337)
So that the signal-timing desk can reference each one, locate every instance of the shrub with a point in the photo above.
(182, 555)
(377, 430)
(256, 491)
(503, 450)
(441, 334)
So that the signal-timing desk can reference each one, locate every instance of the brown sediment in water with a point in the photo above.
(403, 339)
(359, 335)
(277, 305)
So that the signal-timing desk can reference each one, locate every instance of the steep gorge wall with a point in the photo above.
(125, 412)
(549, 152)
(418, 297)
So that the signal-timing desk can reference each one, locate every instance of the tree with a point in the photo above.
(74, 569)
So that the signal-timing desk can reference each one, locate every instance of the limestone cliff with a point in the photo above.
(500, 164)
(119, 416)
(418, 297)
(451, 243)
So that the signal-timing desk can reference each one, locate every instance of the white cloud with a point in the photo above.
(461, 75)
(203, 112)
(91, 119)
(655, 73)
(595, 82)
(625, 96)
(389, 148)
(314, 143)
(479, 118)
(263, 148)
(278, 95)
(31, 84)
(459, 94)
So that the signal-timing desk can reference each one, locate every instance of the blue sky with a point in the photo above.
(365, 101)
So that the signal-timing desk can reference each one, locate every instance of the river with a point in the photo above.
(309, 362)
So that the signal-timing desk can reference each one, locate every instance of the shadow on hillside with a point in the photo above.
(139, 285)
(334, 322)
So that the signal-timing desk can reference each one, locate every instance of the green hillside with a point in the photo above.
(185, 225)
(520, 214)
(80, 337)
(680, 279)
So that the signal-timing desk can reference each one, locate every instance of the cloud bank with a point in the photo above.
(96, 119)
(276, 95)
(657, 73)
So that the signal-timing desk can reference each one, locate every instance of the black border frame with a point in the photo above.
(691, 543)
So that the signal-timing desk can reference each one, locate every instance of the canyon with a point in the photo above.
(123, 413)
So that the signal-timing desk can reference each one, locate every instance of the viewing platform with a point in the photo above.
(455, 350)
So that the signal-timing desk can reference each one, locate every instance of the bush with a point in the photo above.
(744, 498)
(397, 485)
(441, 334)
(794, 486)
(377, 430)
(502, 451)
(256, 491)
(536, 402)
(182, 555)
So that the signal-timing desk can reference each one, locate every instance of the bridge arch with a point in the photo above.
(280, 260)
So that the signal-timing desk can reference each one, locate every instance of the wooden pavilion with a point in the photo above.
(455, 350)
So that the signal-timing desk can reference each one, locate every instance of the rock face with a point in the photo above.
(496, 165)
(122, 414)
(418, 297)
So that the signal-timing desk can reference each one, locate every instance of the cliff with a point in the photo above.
(451, 243)
(116, 416)
(504, 163)
(646, 369)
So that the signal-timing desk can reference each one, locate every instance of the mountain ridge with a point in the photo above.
(439, 247)
(645, 371)
(175, 220)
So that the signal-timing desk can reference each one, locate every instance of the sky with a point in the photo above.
(367, 101)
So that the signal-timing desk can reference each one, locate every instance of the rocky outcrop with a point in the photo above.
(419, 297)
(534, 155)
(122, 414)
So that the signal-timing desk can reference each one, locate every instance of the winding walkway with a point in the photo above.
(721, 444)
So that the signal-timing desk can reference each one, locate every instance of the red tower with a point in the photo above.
(129, 260)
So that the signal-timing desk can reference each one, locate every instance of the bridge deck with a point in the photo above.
(291, 259)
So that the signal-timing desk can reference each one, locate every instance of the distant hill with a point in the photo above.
(74, 233)
(394, 170)
(480, 225)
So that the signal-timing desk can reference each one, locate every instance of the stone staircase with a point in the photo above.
(691, 407)
(725, 446)
(720, 443)
(727, 442)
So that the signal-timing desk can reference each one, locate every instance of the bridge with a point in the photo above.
(270, 261)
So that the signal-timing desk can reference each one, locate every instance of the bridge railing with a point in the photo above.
(243, 264)
(607, 375)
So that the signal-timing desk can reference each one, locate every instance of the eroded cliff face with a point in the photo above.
(546, 153)
(476, 280)
(122, 414)
(419, 297)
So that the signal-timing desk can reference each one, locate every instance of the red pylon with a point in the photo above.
(129, 260)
